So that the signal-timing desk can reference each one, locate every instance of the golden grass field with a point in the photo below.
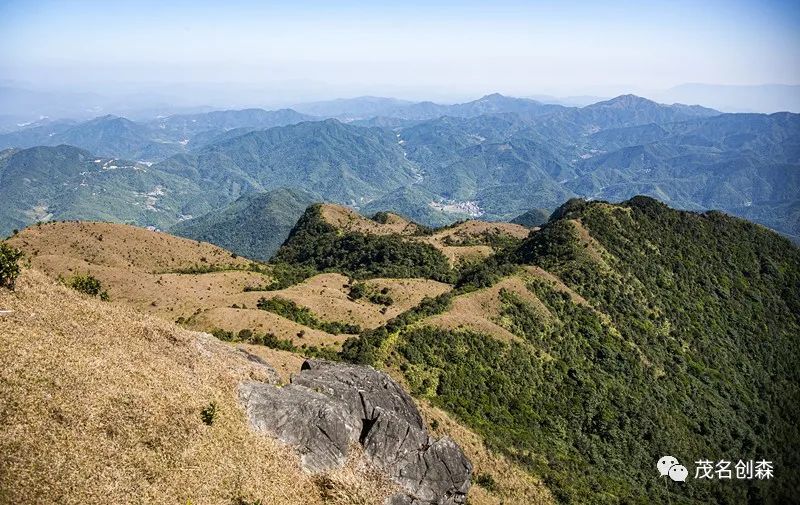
(479, 310)
(102, 404)
(137, 267)
(102, 400)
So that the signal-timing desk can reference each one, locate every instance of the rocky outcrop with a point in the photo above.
(330, 406)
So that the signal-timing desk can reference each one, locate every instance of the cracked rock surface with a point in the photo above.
(329, 406)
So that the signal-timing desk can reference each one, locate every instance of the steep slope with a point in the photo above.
(101, 404)
(623, 333)
(208, 288)
(338, 239)
(118, 245)
(143, 269)
(254, 226)
(532, 218)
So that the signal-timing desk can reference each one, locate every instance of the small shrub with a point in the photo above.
(486, 481)
(209, 413)
(87, 285)
(381, 217)
(9, 265)
(360, 290)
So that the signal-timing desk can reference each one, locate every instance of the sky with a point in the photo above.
(406, 48)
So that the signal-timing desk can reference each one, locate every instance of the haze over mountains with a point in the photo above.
(495, 158)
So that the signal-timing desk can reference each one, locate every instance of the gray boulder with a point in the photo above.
(318, 426)
(329, 406)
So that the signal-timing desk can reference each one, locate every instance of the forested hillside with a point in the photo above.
(644, 331)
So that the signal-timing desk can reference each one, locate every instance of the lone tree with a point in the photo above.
(9, 265)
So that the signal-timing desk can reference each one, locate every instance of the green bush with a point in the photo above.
(209, 413)
(683, 340)
(87, 285)
(302, 315)
(274, 342)
(360, 290)
(9, 265)
(486, 481)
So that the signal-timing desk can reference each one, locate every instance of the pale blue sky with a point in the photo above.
(402, 47)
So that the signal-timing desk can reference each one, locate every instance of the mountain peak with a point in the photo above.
(628, 100)
(492, 96)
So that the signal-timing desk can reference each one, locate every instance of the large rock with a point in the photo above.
(329, 406)
(318, 426)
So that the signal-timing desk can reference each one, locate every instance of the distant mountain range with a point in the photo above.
(759, 98)
(495, 158)
(151, 141)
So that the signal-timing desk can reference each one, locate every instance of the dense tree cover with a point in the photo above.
(303, 315)
(688, 346)
(368, 348)
(315, 243)
(254, 226)
(502, 164)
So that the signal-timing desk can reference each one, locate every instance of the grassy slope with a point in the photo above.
(101, 404)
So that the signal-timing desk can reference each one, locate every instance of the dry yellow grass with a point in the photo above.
(327, 296)
(467, 230)
(480, 310)
(348, 219)
(474, 228)
(284, 362)
(119, 245)
(130, 262)
(102, 404)
(262, 321)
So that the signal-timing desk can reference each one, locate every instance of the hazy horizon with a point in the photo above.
(248, 53)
